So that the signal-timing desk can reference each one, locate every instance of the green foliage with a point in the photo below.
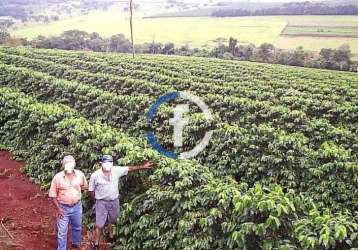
(279, 173)
(286, 136)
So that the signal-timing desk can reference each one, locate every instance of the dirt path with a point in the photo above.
(27, 217)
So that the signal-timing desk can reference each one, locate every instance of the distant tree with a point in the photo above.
(55, 17)
(168, 49)
(283, 57)
(6, 24)
(75, 39)
(23, 41)
(343, 57)
(94, 35)
(298, 57)
(326, 58)
(97, 44)
(184, 50)
(203, 52)
(118, 43)
(152, 48)
(59, 43)
(155, 48)
(196, 50)
(232, 45)
(4, 36)
(245, 52)
(16, 42)
(265, 52)
(219, 51)
(326, 54)
(354, 67)
(228, 56)
(40, 42)
(24, 19)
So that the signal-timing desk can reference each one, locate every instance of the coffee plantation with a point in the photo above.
(281, 171)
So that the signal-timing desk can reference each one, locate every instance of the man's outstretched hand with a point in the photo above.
(148, 165)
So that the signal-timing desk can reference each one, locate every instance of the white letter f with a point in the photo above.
(178, 121)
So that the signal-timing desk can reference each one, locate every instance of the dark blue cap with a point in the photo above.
(106, 158)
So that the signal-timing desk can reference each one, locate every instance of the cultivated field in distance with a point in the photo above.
(321, 31)
(203, 31)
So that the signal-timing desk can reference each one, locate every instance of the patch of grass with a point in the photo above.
(321, 31)
(194, 31)
(331, 21)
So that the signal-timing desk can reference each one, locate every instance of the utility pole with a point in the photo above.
(131, 24)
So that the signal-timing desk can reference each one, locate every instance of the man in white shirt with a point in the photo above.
(103, 187)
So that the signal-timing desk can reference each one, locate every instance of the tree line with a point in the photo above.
(335, 59)
(25, 10)
(327, 58)
(294, 8)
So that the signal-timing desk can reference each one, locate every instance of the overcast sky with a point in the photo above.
(205, 1)
(287, 1)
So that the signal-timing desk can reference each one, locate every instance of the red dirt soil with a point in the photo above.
(25, 211)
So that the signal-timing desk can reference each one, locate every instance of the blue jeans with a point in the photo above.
(73, 216)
